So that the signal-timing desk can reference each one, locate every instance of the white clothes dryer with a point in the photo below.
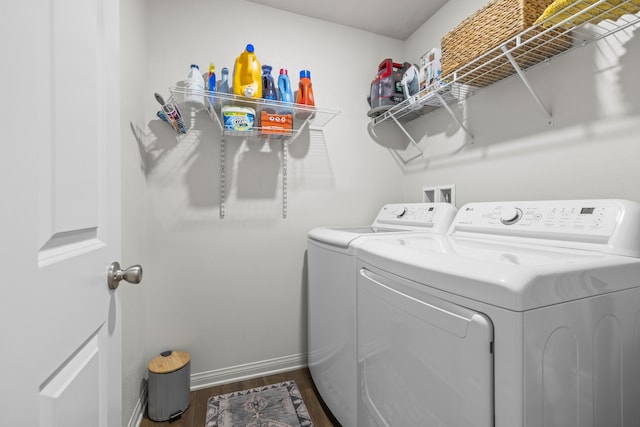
(332, 296)
(529, 315)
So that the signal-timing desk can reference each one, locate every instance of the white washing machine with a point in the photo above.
(332, 296)
(528, 316)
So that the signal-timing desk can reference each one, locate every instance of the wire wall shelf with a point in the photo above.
(301, 115)
(580, 23)
(297, 116)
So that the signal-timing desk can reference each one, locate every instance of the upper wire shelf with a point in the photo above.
(580, 23)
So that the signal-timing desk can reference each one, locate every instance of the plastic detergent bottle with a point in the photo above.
(246, 74)
(305, 91)
(284, 89)
(268, 85)
(212, 82)
(224, 82)
(194, 84)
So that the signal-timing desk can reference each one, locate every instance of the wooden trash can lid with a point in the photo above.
(169, 361)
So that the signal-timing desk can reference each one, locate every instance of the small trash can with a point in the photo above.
(169, 378)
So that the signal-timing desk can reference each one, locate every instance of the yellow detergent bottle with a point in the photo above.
(247, 80)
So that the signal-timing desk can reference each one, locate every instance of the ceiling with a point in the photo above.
(393, 18)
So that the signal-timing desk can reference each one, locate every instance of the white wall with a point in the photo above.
(134, 213)
(232, 291)
(589, 152)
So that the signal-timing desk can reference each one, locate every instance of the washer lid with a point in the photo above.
(343, 236)
(517, 277)
(392, 218)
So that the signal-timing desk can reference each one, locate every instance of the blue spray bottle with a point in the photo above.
(212, 83)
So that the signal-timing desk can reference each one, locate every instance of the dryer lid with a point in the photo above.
(516, 277)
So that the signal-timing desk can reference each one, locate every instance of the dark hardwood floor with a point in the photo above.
(194, 415)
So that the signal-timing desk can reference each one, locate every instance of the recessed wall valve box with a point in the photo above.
(439, 194)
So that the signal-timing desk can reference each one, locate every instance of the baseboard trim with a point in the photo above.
(138, 411)
(250, 370)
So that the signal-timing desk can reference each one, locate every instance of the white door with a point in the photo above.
(59, 164)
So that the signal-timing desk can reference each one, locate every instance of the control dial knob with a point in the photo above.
(400, 212)
(510, 215)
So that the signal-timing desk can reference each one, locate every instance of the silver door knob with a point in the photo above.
(132, 274)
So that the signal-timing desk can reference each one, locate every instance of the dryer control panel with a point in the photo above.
(434, 216)
(573, 222)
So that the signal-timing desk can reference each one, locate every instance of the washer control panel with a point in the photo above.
(433, 216)
(580, 220)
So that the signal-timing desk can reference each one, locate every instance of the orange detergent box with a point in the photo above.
(275, 124)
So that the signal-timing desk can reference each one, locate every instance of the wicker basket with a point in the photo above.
(488, 28)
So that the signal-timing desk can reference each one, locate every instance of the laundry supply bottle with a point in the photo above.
(268, 85)
(247, 75)
(194, 85)
(212, 83)
(305, 90)
(284, 90)
(224, 81)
